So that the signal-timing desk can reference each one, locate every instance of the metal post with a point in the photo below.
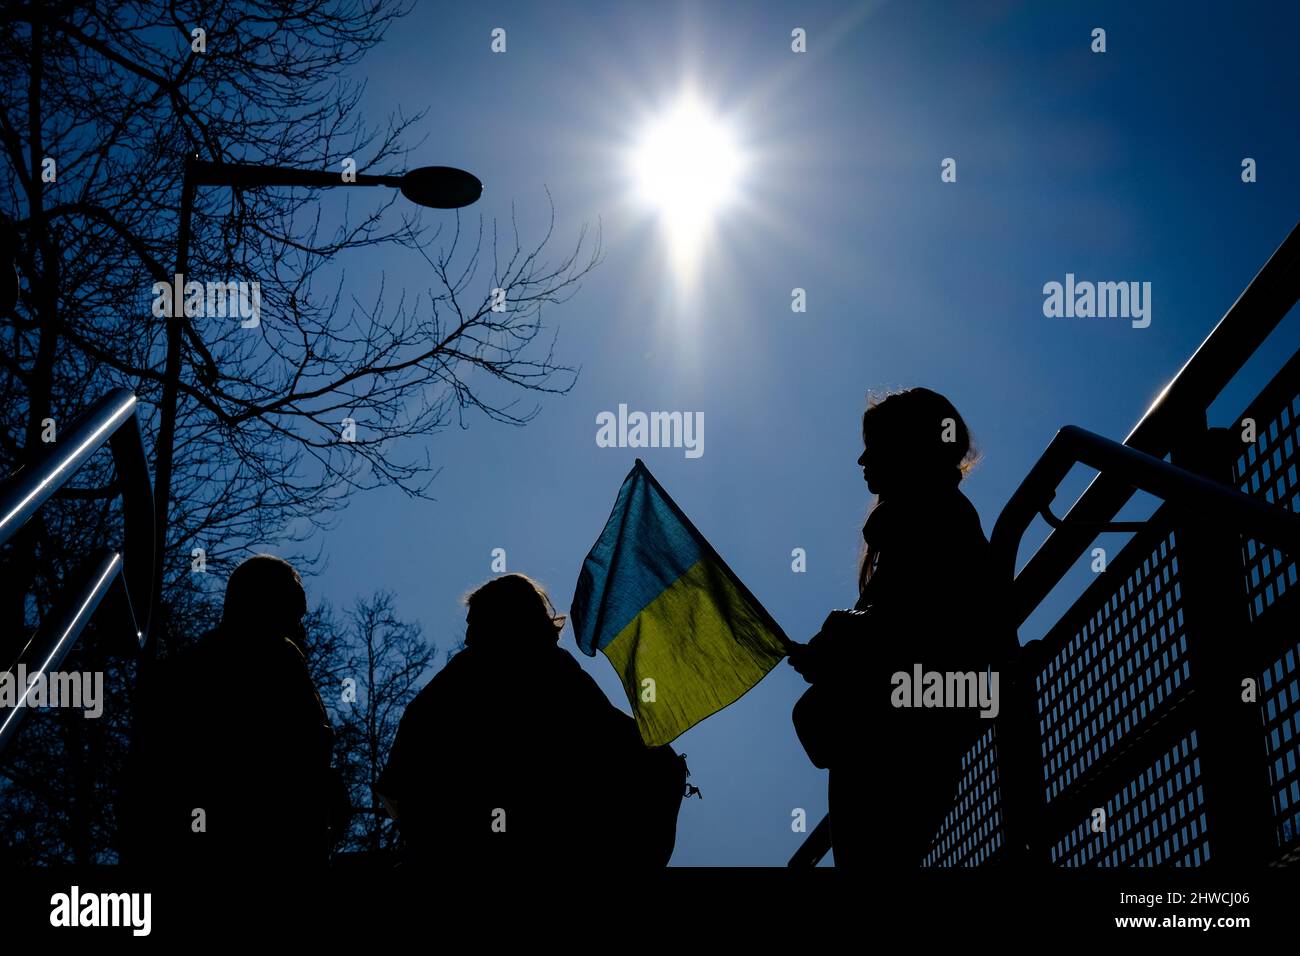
(1214, 598)
(165, 449)
(1020, 761)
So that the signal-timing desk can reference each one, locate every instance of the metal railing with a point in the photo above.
(1177, 414)
(127, 573)
(1132, 703)
(1130, 709)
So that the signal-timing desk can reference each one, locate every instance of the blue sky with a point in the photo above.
(1116, 166)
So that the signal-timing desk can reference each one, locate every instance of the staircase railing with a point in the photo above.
(127, 573)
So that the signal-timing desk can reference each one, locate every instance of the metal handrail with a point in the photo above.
(111, 420)
(1140, 471)
(1179, 409)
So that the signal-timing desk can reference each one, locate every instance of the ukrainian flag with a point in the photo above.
(661, 604)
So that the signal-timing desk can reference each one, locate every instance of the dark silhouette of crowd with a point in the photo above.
(512, 756)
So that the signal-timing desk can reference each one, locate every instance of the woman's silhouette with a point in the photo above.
(513, 756)
(925, 596)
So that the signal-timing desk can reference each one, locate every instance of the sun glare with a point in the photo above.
(686, 167)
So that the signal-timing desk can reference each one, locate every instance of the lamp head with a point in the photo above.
(441, 187)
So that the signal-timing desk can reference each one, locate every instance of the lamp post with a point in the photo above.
(436, 187)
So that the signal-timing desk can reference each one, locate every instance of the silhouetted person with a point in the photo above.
(512, 756)
(925, 597)
(234, 728)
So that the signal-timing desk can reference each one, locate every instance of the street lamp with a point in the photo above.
(436, 187)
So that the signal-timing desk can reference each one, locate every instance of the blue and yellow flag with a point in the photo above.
(686, 637)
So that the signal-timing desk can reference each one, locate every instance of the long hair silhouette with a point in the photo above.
(914, 442)
(924, 572)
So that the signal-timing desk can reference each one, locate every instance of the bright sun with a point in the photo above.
(687, 166)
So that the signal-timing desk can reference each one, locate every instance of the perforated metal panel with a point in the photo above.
(1280, 708)
(1122, 665)
(1156, 819)
(971, 833)
(1267, 469)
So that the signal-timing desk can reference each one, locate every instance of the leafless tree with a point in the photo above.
(367, 666)
(100, 104)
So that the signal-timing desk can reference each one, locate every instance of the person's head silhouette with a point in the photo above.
(512, 609)
(914, 441)
(265, 597)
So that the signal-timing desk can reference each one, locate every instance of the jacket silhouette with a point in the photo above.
(512, 756)
(230, 759)
(925, 598)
